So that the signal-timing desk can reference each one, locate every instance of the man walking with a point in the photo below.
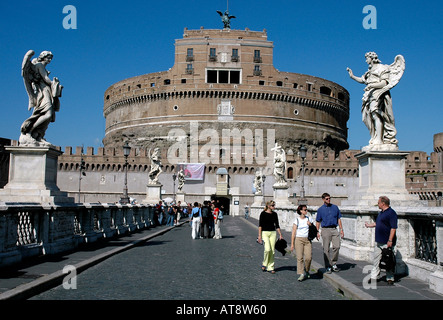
(329, 217)
(385, 228)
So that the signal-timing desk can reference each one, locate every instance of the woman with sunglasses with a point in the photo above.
(301, 243)
(268, 227)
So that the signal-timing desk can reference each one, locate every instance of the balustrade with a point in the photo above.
(34, 230)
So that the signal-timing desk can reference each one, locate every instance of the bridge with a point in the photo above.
(164, 263)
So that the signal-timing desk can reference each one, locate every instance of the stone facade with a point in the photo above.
(225, 79)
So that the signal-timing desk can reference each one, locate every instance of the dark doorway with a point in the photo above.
(223, 201)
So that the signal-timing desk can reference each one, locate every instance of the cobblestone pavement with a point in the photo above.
(175, 267)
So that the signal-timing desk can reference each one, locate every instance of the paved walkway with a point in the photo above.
(164, 263)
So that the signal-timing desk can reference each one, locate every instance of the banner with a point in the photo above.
(193, 171)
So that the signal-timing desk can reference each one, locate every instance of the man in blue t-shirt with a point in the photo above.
(386, 226)
(329, 217)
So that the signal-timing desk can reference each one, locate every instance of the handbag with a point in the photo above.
(387, 261)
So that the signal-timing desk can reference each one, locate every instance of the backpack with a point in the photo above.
(205, 212)
(387, 261)
(220, 215)
(195, 213)
(312, 232)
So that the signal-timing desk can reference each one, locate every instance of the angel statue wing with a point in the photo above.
(29, 76)
(395, 72)
(397, 68)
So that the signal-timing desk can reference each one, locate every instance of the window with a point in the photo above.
(257, 57)
(326, 91)
(279, 83)
(212, 54)
(257, 71)
(234, 56)
(223, 76)
(190, 54)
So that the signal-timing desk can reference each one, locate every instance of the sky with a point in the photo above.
(115, 40)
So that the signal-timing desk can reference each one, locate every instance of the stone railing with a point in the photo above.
(419, 249)
(32, 230)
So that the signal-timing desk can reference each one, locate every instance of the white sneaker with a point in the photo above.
(302, 277)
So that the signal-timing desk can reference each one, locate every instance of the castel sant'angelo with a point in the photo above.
(224, 104)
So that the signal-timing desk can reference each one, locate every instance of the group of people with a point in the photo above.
(206, 220)
(168, 215)
(327, 220)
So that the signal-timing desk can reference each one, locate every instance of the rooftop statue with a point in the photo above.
(377, 113)
(43, 94)
(226, 18)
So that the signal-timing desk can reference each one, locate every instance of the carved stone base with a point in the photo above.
(33, 176)
(153, 193)
(281, 196)
(382, 173)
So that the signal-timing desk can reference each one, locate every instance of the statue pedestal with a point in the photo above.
(33, 176)
(281, 196)
(180, 196)
(153, 193)
(382, 173)
(259, 200)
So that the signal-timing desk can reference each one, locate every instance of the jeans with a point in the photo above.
(195, 227)
(269, 237)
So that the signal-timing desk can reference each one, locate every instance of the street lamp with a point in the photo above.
(126, 151)
(303, 156)
(264, 179)
(174, 176)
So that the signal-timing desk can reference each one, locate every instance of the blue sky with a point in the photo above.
(115, 40)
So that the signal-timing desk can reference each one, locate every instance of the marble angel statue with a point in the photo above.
(43, 94)
(181, 180)
(377, 113)
(279, 165)
(258, 182)
(155, 167)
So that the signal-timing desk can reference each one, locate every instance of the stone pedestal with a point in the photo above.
(153, 193)
(382, 173)
(180, 196)
(259, 200)
(33, 176)
(281, 196)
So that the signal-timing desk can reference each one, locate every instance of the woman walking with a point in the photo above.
(267, 232)
(301, 243)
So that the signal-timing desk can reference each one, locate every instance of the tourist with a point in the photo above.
(206, 216)
(268, 227)
(301, 243)
(171, 216)
(329, 217)
(218, 219)
(179, 212)
(195, 220)
(385, 228)
(246, 211)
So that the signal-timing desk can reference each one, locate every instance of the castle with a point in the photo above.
(224, 104)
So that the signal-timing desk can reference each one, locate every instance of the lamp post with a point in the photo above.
(174, 176)
(303, 156)
(126, 151)
(264, 179)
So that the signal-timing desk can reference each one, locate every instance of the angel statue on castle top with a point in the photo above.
(377, 113)
(43, 94)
